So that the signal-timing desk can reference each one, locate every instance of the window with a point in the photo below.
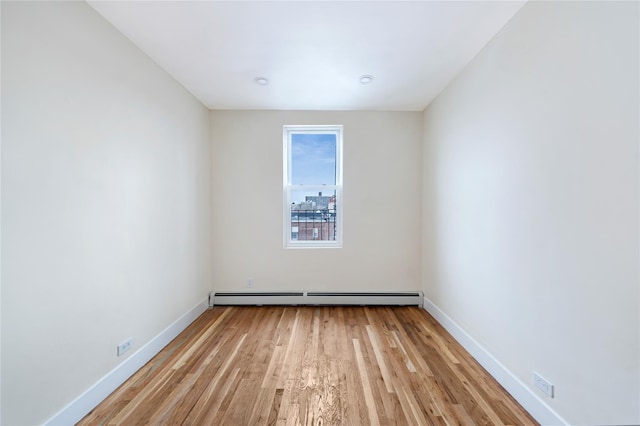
(312, 186)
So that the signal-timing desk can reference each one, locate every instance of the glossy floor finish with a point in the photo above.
(311, 366)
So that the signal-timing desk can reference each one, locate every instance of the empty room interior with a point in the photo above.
(482, 204)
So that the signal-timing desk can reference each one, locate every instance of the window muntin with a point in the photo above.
(312, 186)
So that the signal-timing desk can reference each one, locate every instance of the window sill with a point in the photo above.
(312, 245)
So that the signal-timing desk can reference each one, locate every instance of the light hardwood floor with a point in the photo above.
(312, 366)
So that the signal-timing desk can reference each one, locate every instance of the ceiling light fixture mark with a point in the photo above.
(261, 81)
(366, 79)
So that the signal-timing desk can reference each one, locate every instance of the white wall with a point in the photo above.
(382, 208)
(105, 203)
(531, 204)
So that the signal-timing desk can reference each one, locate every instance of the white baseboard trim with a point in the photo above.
(86, 402)
(540, 411)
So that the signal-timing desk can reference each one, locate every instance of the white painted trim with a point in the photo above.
(88, 400)
(544, 414)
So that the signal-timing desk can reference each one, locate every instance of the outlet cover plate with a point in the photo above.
(543, 384)
(125, 346)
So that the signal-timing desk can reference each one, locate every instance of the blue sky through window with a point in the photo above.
(313, 159)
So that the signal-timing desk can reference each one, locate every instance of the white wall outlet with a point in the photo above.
(125, 346)
(249, 282)
(543, 384)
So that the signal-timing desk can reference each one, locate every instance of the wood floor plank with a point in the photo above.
(366, 386)
(311, 366)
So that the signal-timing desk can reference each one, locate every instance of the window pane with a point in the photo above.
(313, 215)
(313, 159)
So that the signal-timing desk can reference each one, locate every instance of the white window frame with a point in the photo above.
(288, 131)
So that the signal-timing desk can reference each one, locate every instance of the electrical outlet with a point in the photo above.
(543, 384)
(249, 282)
(125, 346)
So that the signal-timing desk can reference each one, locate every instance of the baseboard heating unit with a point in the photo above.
(410, 298)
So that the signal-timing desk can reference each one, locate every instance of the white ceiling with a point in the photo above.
(312, 52)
